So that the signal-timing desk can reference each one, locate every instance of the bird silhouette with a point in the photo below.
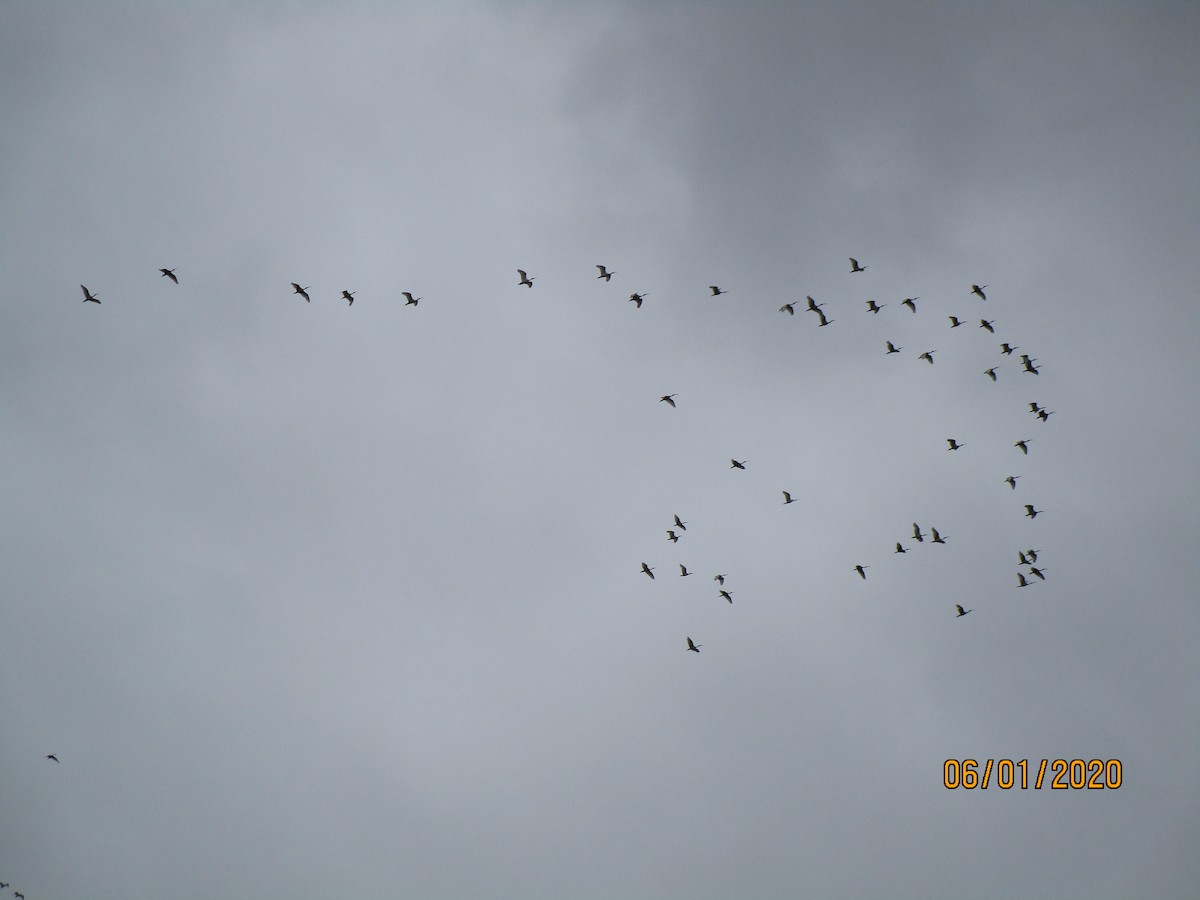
(1034, 408)
(1022, 559)
(1032, 554)
(917, 536)
(910, 302)
(88, 296)
(349, 297)
(1008, 350)
(604, 273)
(855, 267)
(1034, 570)
(937, 538)
(302, 291)
(169, 273)
(927, 356)
(955, 321)
(991, 373)
(1029, 364)
(409, 299)
(824, 321)
(719, 579)
(672, 537)
(1030, 512)
(738, 465)
(978, 289)
(787, 498)
(637, 299)
(1024, 445)
(1012, 481)
(892, 348)
(1021, 582)
(899, 548)
(683, 572)
(695, 648)
(649, 570)
(961, 611)
(668, 399)
(1045, 414)
(874, 307)
(525, 279)
(954, 445)
(728, 595)
(862, 571)
(52, 756)
(788, 308)
(984, 323)
(680, 524)
(813, 305)
(716, 291)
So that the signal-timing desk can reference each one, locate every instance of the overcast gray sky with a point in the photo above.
(317, 600)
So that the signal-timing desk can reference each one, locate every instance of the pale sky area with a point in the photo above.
(315, 600)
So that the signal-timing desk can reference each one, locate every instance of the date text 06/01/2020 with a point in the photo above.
(1075, 774)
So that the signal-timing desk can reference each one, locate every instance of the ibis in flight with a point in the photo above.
(855, 267)
(1021, 582)
(937, 538)
(348, 297)
(961, 611)
(862, 571)
(910, 302)
(738, 465)
(716, 291)
(954, 445)
(978, 289)
(719, 579)
(88, 296)
(668, 399)
(525, 279)
(169, 273)
(1030, 512)
(787, 498)
(788, 308)
(899, 548)
(892, 348)
(695, 648)
(604, 273)
(874, 307)
(813, 305)
(680, 524)
(984, 323)
(302, 291)
(1034, 570)
(409, 299)
(927, 356)
(728, 595)
(649, 570)
(1012, 481)
(1024, 445)
(991, 373)
(52, 756)
(1007, 350)
(955, 321)
(917, 536)
(672, 537)
(683, 572)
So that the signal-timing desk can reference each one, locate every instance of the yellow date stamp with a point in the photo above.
(1056, 774)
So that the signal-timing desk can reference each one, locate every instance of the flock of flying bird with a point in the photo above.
(1026, 557)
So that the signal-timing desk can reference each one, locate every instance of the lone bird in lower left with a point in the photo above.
(88, 296)
(695, 648)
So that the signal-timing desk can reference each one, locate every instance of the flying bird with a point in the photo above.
(693, 647)
(1045, 414)
(910, 302)
(672, 537)
(719, 579)
(1034, 570)
(409, 299)
(1022, 559)
(1034, 408)
(855, 267)
(788, 308)
(728, 595)
(954, 445)
(937, 538)
(1024, 445)
(1030, 512)
(1028, 363)
(649, 570)
(683, 572)
(680, 524)
(349, 297)
(1007, 350)
(813, 305)
(787, 498)
(637, 299)
(716, 291)
(1032, 554)
(892, 348)
(738, 465)
(88, 296)
(991, 373)
(927, 356)
(668, 399)
(525, 279)
(303, 292)
(978, 289)
(1012, 481)
(874, 307)
(955, 321)
(169, 273)
(862, 571)
(604, 273)
(961, 611)
(984, 323)
(917, 536)
(1021, 582)
(52, 756)
(824, 321)
(899, 548)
